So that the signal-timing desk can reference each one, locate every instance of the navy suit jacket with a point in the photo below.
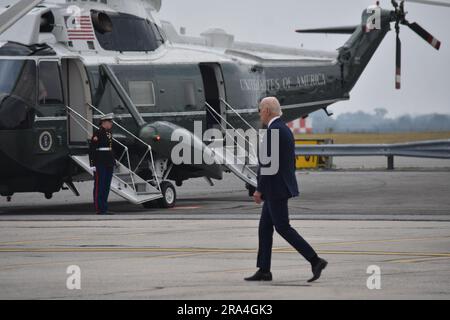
(283, 184)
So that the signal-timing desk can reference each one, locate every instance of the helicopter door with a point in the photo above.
(214, 87)
(78, 97)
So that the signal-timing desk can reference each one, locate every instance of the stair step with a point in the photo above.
(125, 178)
(146, 193)
(122, 184)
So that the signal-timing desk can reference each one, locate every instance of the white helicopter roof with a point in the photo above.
(213, 45)
(217, 40)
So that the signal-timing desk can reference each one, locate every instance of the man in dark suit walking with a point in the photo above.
(274, 190)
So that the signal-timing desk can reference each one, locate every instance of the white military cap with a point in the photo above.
(107, 117)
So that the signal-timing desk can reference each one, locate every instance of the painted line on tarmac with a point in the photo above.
(38, 241)
(373, 241)
(384, 253)
(89, 237)
(381, 241)
(81, 261)
(187, 208)
(417, 260)
(211, 250)
(21, 242)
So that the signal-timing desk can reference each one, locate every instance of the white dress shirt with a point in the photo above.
(272, 121)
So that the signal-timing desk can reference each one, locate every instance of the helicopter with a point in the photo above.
(64, 64)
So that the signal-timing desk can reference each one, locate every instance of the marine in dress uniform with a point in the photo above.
(102, 162)
(274, 191)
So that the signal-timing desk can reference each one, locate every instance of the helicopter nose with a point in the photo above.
(164, 136)
(181, 146)
(150, 134)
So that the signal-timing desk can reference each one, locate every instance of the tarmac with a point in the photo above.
(360, 217)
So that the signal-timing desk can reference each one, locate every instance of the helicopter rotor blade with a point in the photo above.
(425, 35)
(431, 2)
(16, 12)
(398, 62)
(334, 30)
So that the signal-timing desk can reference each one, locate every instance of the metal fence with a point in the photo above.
(437, 149)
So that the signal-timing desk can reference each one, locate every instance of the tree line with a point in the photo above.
(378, 121)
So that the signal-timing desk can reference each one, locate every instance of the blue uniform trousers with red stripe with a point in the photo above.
(102, 186)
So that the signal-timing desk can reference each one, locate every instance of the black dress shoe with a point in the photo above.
(317, 269)
(260, 276)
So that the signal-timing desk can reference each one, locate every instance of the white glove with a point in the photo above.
(94, 169)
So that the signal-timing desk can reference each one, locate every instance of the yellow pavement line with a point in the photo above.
(89, 237)
(38, 241)
(375, 241)
(174, 256)
(164, 256)
(186, 252)
(385, 253)
(382, 240)
(315, 244)
(417, 260)
(251, 269)
(233, 270)
(118, 250)
(208, 250)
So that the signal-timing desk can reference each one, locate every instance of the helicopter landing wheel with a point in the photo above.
(169, 193)
(168, 200)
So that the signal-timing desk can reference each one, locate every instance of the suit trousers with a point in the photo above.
(102, 186)
(275, 215)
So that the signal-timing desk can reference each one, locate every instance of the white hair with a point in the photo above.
(273, 105)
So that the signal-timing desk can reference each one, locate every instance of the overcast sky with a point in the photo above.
(426, 86)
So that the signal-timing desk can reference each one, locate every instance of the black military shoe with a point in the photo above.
(317, 269)
(260, 276)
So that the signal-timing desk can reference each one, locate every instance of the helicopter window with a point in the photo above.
(145, 35)
(107, 99)
(50, 89)
(189, 94)
(17, 93)
(142, 93)
(110, 101)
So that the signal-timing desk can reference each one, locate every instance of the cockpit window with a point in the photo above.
(128, 33)
(17, 93)
(18, 77)
(50, 91)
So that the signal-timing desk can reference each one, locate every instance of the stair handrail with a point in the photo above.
(230, 125)
(245, 165)
(148, 147)
(114, 139)
(238, 114)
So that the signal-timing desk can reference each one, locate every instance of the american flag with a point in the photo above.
(81, 28)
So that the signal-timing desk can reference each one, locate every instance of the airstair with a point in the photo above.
(125, 182)
(238, 151)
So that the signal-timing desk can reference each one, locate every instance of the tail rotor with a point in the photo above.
(399, 16)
